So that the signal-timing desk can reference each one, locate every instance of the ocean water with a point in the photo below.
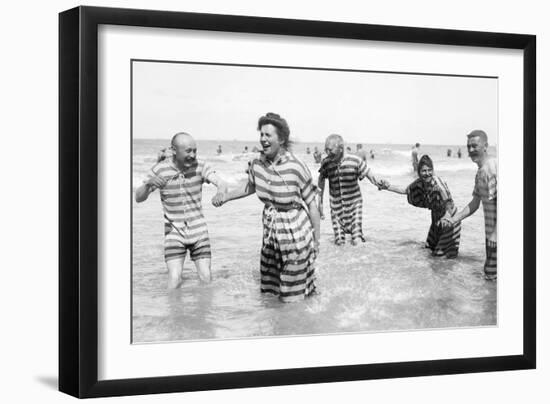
(386, 284)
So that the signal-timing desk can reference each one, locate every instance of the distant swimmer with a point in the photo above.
(164, 153)
(371, 154)
(245, 150)
(219, 150)
(449, 152)
(317, 155)
(459, 153)
(348, 149)
(431, 192)
(343, 171)
(362, 154)
(179, 179)
(414, 157)
(308, 151)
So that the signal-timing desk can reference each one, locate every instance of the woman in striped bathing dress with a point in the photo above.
(431, 192)
(291, 225)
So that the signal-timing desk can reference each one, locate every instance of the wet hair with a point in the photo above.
(280, 124)
(478, 133)
(425, 160)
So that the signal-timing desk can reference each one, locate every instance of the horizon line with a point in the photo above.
(305, 141)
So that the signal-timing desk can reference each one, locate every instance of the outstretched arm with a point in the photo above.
(397, 189)
(242, 190)
(468, 210)
(385, 185)
(218, 182)
(379, 183)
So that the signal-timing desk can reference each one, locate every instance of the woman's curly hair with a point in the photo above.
(283, 131)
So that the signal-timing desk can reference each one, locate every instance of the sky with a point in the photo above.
(224, 102)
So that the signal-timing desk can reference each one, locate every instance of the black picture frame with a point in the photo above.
(78, 201)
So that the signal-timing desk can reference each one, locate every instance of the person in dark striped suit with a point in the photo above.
(179, 176)
(431, 192)
(291, 225)
(343, 171)
(485, 191)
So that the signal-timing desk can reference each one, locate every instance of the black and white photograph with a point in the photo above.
(274, 201)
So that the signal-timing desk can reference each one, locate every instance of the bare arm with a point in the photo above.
(468, 210)
(397, 189)
(152, 183)
(316, 221)
(143, 192)
(372, 178)
(321, 186)
(242, 190)
(218, 182)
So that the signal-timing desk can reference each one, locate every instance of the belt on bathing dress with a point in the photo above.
(271, 211)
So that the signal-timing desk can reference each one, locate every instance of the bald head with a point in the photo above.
(180, 138)
(334, 140)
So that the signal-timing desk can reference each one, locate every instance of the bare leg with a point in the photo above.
(175, 268)
(203, 269)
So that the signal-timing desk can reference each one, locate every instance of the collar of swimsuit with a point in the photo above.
(282, 158)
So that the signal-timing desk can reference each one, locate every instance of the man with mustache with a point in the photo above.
(179, 178)
(344, 171)
(485, 191)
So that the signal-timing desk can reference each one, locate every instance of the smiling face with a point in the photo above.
(185, 150)
(334, 149)
(425, 173)
(477, 149)
(270, 142)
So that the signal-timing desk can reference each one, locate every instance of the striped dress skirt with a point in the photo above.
(443, 241)
(347, 217)
(288, 254)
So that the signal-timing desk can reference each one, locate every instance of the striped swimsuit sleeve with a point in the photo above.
(307, 190)
(443, 189)
(362, 169)
(251, 178)
(206, 172)
(415, 194)
(305, 182)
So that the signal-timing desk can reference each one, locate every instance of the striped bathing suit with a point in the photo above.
(436, 197)
(346, 202)
(288, 255)
(184, 224)
(486, 189)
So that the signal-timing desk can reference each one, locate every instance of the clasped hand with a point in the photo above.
(218, 199)
(154, 182)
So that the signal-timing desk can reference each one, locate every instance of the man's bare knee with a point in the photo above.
(175, 268)
(203, 269)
